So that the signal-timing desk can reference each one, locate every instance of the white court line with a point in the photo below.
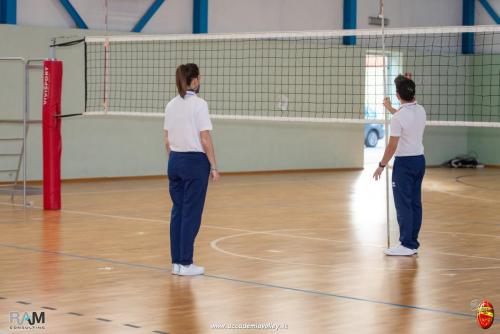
(220, 184)
(111, 191)
(370, 245)
(422, 231)
(166, 221)
(127, 217)
(235, 229)
(464, 196)
(378, 245)
(215, 246)
(230, 228)
(320, 239)
(464, 233)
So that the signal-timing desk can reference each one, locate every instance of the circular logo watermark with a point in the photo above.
(485, 313)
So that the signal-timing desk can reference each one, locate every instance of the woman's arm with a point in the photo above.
(165, 140)
(206, 142)
(389, 152)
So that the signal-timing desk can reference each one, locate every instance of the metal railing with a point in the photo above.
(27, 64)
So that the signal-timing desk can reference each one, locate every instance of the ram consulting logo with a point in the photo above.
(27, 321)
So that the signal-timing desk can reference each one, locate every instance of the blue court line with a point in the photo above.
(322, 293)
(267, 285)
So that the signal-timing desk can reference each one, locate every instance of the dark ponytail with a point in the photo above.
(183, 77)
(180, 80)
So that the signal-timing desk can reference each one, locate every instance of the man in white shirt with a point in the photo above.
(407, 131)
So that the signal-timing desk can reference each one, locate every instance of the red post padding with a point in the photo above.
(52, 146)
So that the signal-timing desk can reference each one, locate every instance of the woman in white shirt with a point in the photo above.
(191, 162)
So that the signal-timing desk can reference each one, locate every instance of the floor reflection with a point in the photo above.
(49, 269)
(182, 315)
(368, 207)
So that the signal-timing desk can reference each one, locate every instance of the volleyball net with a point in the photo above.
(302, 76)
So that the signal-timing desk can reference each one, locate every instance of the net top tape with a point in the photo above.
(297, 119)
(295, 34)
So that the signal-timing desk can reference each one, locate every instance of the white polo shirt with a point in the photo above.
(408, 123)
(185, 118)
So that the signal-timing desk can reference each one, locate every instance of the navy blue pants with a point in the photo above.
(407, 177)
(188, 175)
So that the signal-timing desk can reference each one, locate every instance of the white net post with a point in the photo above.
(105, 102)
(386, 125)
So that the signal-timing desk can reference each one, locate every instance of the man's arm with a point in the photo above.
(388, 154)
(390, 150)
(388, 105)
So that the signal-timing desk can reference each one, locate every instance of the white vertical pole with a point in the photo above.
(25, 130)
(386, 123)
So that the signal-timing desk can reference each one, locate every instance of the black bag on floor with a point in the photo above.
(464, 161)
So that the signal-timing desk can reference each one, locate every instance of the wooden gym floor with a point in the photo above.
(303, 251)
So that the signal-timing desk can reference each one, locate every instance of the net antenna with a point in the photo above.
(106, 10)
(105, 102)
(386, 122)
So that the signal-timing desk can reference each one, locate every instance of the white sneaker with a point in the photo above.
(175, 268)
(399, 251)
(416, 251)
(191, 270)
